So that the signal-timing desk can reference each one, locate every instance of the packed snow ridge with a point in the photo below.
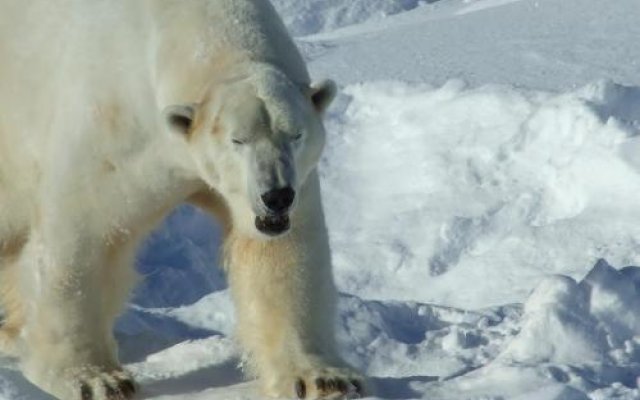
(313, 16)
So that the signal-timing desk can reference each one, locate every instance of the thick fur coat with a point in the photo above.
(112, 112)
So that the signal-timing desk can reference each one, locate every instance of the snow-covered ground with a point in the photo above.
(483, 161)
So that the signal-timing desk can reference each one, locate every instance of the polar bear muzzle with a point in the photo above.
(273, 225)
(277, 202)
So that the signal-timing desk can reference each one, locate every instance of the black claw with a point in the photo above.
(342, 386)
(332, 385)
(356, 384)
(321, 384)
(112, 394)
(301, 389)
(85, 392)
(127, 387)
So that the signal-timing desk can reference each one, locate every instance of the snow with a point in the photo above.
(554, 45)
(481, 167)
(470, 183)
(313, 16)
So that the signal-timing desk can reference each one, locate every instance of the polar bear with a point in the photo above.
(112, 112)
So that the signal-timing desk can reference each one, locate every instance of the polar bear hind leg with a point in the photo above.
(70, 350)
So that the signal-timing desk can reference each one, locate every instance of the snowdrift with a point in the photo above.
(477, 193)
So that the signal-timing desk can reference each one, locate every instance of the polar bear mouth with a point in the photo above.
(273, 224)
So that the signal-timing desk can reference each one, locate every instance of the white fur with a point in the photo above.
(91, 160)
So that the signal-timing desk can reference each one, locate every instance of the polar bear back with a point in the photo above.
(173, 46)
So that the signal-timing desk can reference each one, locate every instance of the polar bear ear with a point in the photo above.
(322, 94)
(179, 118)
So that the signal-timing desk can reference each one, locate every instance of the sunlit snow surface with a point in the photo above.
(482, 157)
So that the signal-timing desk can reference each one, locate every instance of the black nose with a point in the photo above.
(279, 200)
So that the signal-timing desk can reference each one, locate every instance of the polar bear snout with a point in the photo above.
(273, 225)
(278, 201)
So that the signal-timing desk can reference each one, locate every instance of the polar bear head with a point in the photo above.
(255, 139)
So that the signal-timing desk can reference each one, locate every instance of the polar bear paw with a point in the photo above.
(329, 383)
(91, 384)
(115, 385)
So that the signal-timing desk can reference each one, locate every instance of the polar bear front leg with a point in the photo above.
(285, 300)
(70, 352)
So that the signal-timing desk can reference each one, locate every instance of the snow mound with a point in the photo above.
(307, 17)
(429, 191)
(574, 339)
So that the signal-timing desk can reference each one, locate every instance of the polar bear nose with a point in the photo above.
(279, 200)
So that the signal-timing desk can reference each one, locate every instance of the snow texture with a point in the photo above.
(313, 16)
(482, 164)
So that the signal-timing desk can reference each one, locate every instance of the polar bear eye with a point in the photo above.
(237, 141)
(297, 137)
